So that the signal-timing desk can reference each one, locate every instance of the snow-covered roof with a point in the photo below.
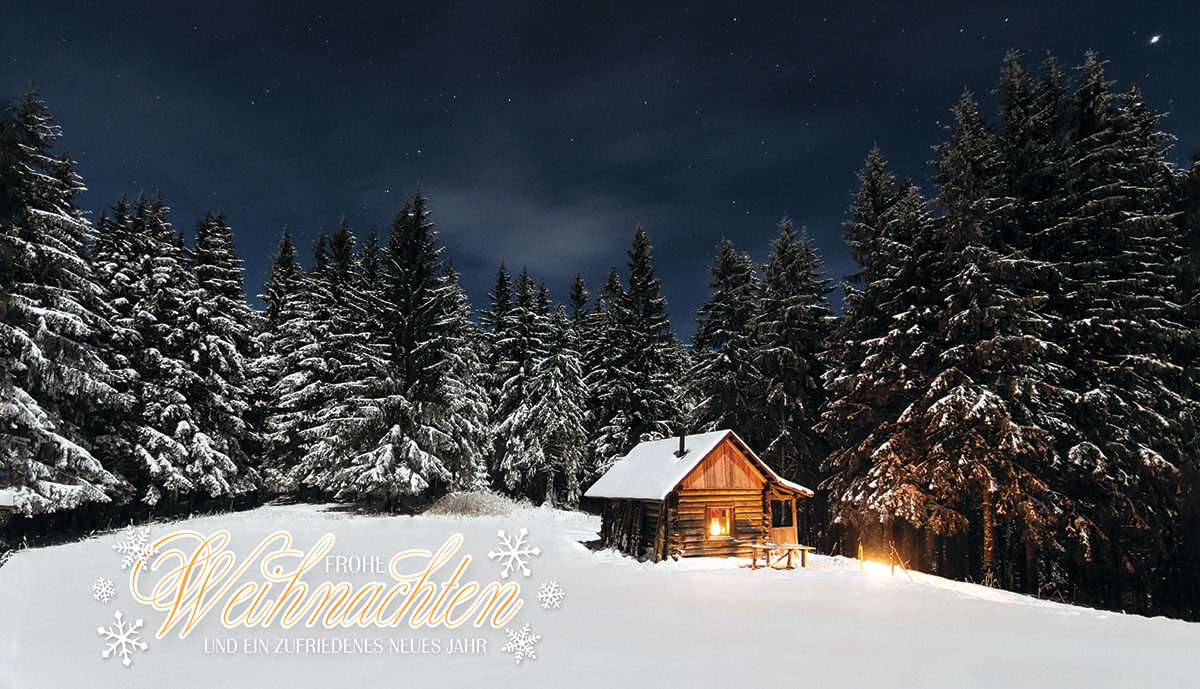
(651, 470)
(7, 498)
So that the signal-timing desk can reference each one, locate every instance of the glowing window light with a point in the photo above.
(720, 522)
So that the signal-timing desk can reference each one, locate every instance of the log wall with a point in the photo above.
(687, 532)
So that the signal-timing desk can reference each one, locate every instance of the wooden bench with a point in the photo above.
(789, 552)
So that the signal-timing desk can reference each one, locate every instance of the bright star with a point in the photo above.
(1155, 38)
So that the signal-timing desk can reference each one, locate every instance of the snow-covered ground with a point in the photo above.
(621, 623)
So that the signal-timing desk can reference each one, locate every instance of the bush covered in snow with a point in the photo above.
(474, 504)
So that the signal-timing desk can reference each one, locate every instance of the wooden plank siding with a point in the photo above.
(724, 467)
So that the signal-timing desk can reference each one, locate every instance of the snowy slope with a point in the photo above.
(694, 623)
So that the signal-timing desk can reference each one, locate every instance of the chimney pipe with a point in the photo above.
(682, 449)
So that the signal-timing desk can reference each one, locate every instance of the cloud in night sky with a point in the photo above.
(543, 132)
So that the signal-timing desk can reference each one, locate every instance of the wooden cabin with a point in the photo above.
(697, 495)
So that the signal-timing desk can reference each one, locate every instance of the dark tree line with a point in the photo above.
(1013, 386)
(1010, 394)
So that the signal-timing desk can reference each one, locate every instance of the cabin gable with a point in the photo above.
(725, 467)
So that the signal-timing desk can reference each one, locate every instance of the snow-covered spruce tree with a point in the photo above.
(370, 259)
(520, 348)
(393, 451)
(560, 392)
(546, 432)
(115, 259)
(283, 279)
(863, 390)
(641, 387)
(600, 360)
(220, 464)
(1033, 113)
(1187, 195)
(578, 299)
(1125, 317)
(300, 369)
(57, 394)
(118, 257)
(996, 382)
(158, 303)
(350, 356)
(789, 330)
(723, 373)
(879, 364)
(466, 421)
(496, 323)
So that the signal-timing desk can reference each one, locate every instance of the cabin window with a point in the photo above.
(781, 513)
(720, 522)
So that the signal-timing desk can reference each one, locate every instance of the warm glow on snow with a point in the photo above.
(879, 569)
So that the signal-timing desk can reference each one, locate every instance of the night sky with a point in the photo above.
(544, 132)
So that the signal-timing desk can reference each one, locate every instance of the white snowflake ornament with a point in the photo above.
(550, 595)
(122, 639)
(103, 590)
(136, 548)
(514, 553)
(520, 643)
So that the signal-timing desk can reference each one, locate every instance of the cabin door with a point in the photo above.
(783, 520)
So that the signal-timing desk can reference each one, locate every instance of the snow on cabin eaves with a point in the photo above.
(651, 470)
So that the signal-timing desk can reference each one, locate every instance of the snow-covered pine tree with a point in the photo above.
(1188, 198)
(114, 260)
(578, 299)
(118, 257)
(351, 358)
(876, 193)
(370, 258)
(1125, 317)
(877, 357)
(600, 349)
(790, 327)
(558, 407)
(523, 344)
(283, 279)
(57, 389)
(393, 450)
(979, 430)
(854, 409)
(466, 421)
(723, 374)
(495, 320)
(496, 324)
(157, 308)
(301, 386)
(220, 465)
(641, 392)
(1033, 115)
(288, 365)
